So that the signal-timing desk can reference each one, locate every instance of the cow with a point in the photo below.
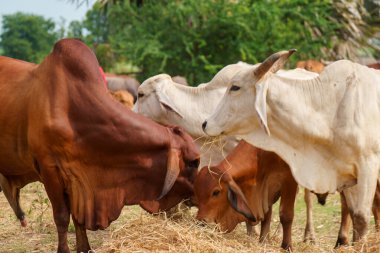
(325, 128)
(93, 156)
(123, 97)
(374, 65)
(243, 187)
(122, 82)
(311, 65)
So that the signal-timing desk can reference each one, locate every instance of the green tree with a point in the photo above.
(27, 37)
(196, 38)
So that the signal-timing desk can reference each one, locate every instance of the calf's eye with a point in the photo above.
(140, 95)
(235, 88)
(215, 193)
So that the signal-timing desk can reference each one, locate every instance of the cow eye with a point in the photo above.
(140, 95)
(215, 193)
(235, 88)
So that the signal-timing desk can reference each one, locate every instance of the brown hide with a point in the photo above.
(262, 177)
(124, 97)
(374, 65)
(311, 65)
(92, 154)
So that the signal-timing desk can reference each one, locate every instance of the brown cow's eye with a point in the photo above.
(140, 95)
(215, 193)
(235, 88)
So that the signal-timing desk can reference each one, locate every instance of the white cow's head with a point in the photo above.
(249, 88)
(152, 100)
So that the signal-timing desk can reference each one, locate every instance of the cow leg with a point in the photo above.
(345, 223)
(251, 230)
(265, 225)
(55, 191)
(309, 235)
(288, 198)
(376, 207)
(81, 237)
(360, 197)
(12, 194)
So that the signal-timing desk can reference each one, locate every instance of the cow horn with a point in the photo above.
(172, 171)
(273, 63)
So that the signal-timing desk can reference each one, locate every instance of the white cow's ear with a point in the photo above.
(273, 63)
(261, 104)
(167, 103)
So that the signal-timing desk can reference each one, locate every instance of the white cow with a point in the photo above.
(326, 129)
(167, 102)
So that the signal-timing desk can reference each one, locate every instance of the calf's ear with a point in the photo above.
(238, 201)
(172, 171)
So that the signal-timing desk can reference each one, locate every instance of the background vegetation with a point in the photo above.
(196, 38)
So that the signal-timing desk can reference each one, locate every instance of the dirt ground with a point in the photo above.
(137, 231)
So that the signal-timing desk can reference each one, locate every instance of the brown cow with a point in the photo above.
(243, 187)
(374, 65)
(59, 126)
(311, 65)
(123, 97)
(123, 82)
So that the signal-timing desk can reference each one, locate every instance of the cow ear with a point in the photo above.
(273, 63)
(166, 102)
(238, 201)
(261, 105)
(172, 171)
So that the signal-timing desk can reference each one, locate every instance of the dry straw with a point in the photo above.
(182, 233)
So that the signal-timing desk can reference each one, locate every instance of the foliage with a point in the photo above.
(27, 37)
(196, 38)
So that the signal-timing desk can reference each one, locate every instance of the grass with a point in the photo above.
(137, 231)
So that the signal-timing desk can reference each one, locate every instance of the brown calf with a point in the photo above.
(243, 187)
(311, 65)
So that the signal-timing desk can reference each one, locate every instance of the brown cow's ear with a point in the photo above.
(238, 201)
(172, 171)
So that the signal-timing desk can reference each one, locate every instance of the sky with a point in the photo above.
(53, 9)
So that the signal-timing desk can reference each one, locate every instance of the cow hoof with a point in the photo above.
(23, 223)
(286, 246)
(341, 242)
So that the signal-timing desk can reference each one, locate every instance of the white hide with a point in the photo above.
(326, 128)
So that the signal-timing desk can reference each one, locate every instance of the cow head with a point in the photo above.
(223, 192)
(183, 161)
(220, 199)
(153, 102)
(248, 87)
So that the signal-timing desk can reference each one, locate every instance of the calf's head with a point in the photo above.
(222, 192)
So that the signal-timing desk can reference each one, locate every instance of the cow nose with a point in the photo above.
(204, 125)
